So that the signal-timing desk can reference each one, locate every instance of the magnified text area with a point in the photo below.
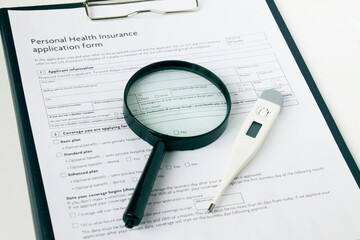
(177, 103)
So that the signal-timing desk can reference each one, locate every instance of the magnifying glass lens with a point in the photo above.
(177, 103)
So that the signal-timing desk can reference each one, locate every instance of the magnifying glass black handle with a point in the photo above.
(135, 210)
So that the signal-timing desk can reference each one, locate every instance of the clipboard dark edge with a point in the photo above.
(350, 161)
(40, 209)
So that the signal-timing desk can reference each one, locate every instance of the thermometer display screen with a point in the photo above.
(254, 129)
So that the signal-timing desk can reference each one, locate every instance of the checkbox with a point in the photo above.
(63, 175)
(75, 225)
(134, 179)
(58, 154)
(176, 132)
(128, 159)
(72, 215)
(168, 167)
(56, 142)
(187, 164)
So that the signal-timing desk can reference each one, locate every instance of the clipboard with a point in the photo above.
(40, 209)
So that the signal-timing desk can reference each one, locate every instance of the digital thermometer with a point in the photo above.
(251, 136)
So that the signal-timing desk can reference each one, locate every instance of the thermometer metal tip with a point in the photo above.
(211, 208)
(250, 137)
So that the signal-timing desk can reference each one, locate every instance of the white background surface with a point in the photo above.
(327, 33)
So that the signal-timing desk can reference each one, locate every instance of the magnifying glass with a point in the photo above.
(173, 105)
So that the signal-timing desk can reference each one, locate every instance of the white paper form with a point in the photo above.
(74, 71)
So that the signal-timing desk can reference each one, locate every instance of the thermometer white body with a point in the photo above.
(251, 137)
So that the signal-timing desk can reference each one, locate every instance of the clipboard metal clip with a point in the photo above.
(89, 4)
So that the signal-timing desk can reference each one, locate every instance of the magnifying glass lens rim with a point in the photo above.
(176, 142)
